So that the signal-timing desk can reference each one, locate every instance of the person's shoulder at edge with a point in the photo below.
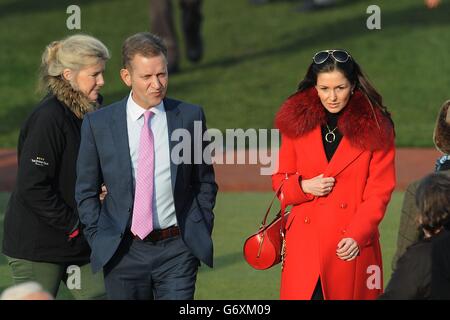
(442, 239)
(104, 110)
(421, 247)
(47, 109)
(411, 189)
(412, 274)
(168, 102)
(181, 104)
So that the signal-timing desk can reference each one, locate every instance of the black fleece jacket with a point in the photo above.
(42, 211)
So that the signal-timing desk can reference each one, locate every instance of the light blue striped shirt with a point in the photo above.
(163, 202)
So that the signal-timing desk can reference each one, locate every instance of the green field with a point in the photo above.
(255, 56)
(237, 216)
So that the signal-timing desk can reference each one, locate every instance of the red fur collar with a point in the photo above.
(303, 111)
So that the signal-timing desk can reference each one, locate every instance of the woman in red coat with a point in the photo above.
(336, 164)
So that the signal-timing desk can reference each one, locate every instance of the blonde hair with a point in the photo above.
(74, 52)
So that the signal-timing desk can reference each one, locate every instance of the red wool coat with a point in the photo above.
(363, 167)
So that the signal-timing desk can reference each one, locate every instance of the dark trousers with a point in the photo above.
(317, 294)
(161, 270)
(162, 24)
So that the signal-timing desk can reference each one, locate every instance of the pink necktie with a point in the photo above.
(142, 223)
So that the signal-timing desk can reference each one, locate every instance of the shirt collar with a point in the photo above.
(137, 111)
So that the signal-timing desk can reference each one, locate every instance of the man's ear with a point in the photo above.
(126, 76)
(67, 74)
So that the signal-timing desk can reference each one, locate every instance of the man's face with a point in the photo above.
(148, 78)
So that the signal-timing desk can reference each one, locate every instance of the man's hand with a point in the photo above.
(103, 193)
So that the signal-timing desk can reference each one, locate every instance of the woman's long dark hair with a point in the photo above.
(352, 71)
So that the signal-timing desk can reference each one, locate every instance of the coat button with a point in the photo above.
(343, 232)
(307, 220)
(343, 205)
(129, 210)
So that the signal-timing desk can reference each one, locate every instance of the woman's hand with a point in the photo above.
(347, 249)
(103, 193)
(318, 186)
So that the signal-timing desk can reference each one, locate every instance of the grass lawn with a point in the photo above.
(255, 56)
(237, 216)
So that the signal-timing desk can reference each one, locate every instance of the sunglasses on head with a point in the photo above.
(338, 55)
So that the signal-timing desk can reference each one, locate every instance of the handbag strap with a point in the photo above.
(283, 207)
(282, 224)
(283, 210)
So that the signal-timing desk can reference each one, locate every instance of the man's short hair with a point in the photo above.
(143, 43)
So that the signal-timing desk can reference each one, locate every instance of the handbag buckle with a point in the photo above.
(260, 245)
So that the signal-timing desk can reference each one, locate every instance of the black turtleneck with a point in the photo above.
(332, 120)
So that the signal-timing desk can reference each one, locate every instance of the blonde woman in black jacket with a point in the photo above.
(42, 233)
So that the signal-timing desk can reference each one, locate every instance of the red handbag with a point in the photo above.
(266, 248)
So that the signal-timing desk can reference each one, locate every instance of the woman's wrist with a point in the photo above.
(302, 184)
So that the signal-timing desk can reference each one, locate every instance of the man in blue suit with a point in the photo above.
(154, 226)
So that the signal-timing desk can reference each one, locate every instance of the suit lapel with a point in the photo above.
(119, 131)
(174, 121)
(344, 156)
(316, 150)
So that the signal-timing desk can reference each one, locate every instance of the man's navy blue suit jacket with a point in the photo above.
(104, 157)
